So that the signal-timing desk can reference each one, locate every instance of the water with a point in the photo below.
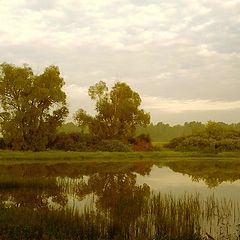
(165, 180)
(167, 200)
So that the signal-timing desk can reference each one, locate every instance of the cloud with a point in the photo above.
(201, 27)
(77, 97)
(205, 51)
(230, 3)
(127, 28)
(179, 106)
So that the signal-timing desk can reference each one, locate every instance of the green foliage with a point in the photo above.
(164, 132)
(113, 146)
(69, 127)
(85, 142)
(216, 137)
(118, 112)
(228, 145)
(74, 142)
(33, 106)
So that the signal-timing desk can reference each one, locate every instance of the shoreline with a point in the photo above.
(13, 157)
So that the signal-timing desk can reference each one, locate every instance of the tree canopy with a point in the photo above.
(32, 106)
(118, 112)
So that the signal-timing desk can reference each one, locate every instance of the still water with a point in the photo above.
(165, 180)
(140, 200)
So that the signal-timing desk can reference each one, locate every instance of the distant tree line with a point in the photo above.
(164, 132)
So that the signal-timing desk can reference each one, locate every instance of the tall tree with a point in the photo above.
(118, 112)
(33, 106)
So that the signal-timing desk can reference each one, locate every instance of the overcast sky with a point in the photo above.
(181, 56)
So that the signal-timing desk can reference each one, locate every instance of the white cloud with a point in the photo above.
(163, 75)
(178, 106)
(205, 51)
(230, 3)
(201, 27)
(99, 26)
(77, 97)
(75, 91)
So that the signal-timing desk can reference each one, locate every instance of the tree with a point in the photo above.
(118, 112)
(33, 106)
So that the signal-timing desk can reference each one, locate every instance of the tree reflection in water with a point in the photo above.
(118, 198)
(212, 172)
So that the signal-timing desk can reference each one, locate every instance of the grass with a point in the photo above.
(159, 144)
(161, 217)
(8, 157)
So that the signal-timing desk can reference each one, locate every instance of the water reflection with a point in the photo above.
(212, 172)
(165, 180)
(170, 200)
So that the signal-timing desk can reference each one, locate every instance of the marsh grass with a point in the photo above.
(163, 217)
(24, 223)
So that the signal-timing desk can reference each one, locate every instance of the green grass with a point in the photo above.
(8, 157)
(159, 143)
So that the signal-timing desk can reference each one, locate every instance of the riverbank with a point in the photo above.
(62, 156)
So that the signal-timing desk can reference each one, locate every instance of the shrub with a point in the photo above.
(194, 143)
(84, 142)
(174, 143)
(141, 143)
(113, 146)
(228, 145)
(74, 142)
(206, 143)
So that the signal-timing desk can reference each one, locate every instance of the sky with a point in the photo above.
(181, 56)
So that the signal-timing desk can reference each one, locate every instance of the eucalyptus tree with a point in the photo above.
(32, 106)
(118, 112)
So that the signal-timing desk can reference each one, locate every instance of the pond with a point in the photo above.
(134, 200)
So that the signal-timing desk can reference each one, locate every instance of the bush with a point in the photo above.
(174, 143)
(74, 142)
(194, 143)
(206, 143)
(228, 145)
(113, 146)
(141, 143)
(84, 143)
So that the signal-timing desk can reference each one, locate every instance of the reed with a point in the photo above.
(163, 216)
